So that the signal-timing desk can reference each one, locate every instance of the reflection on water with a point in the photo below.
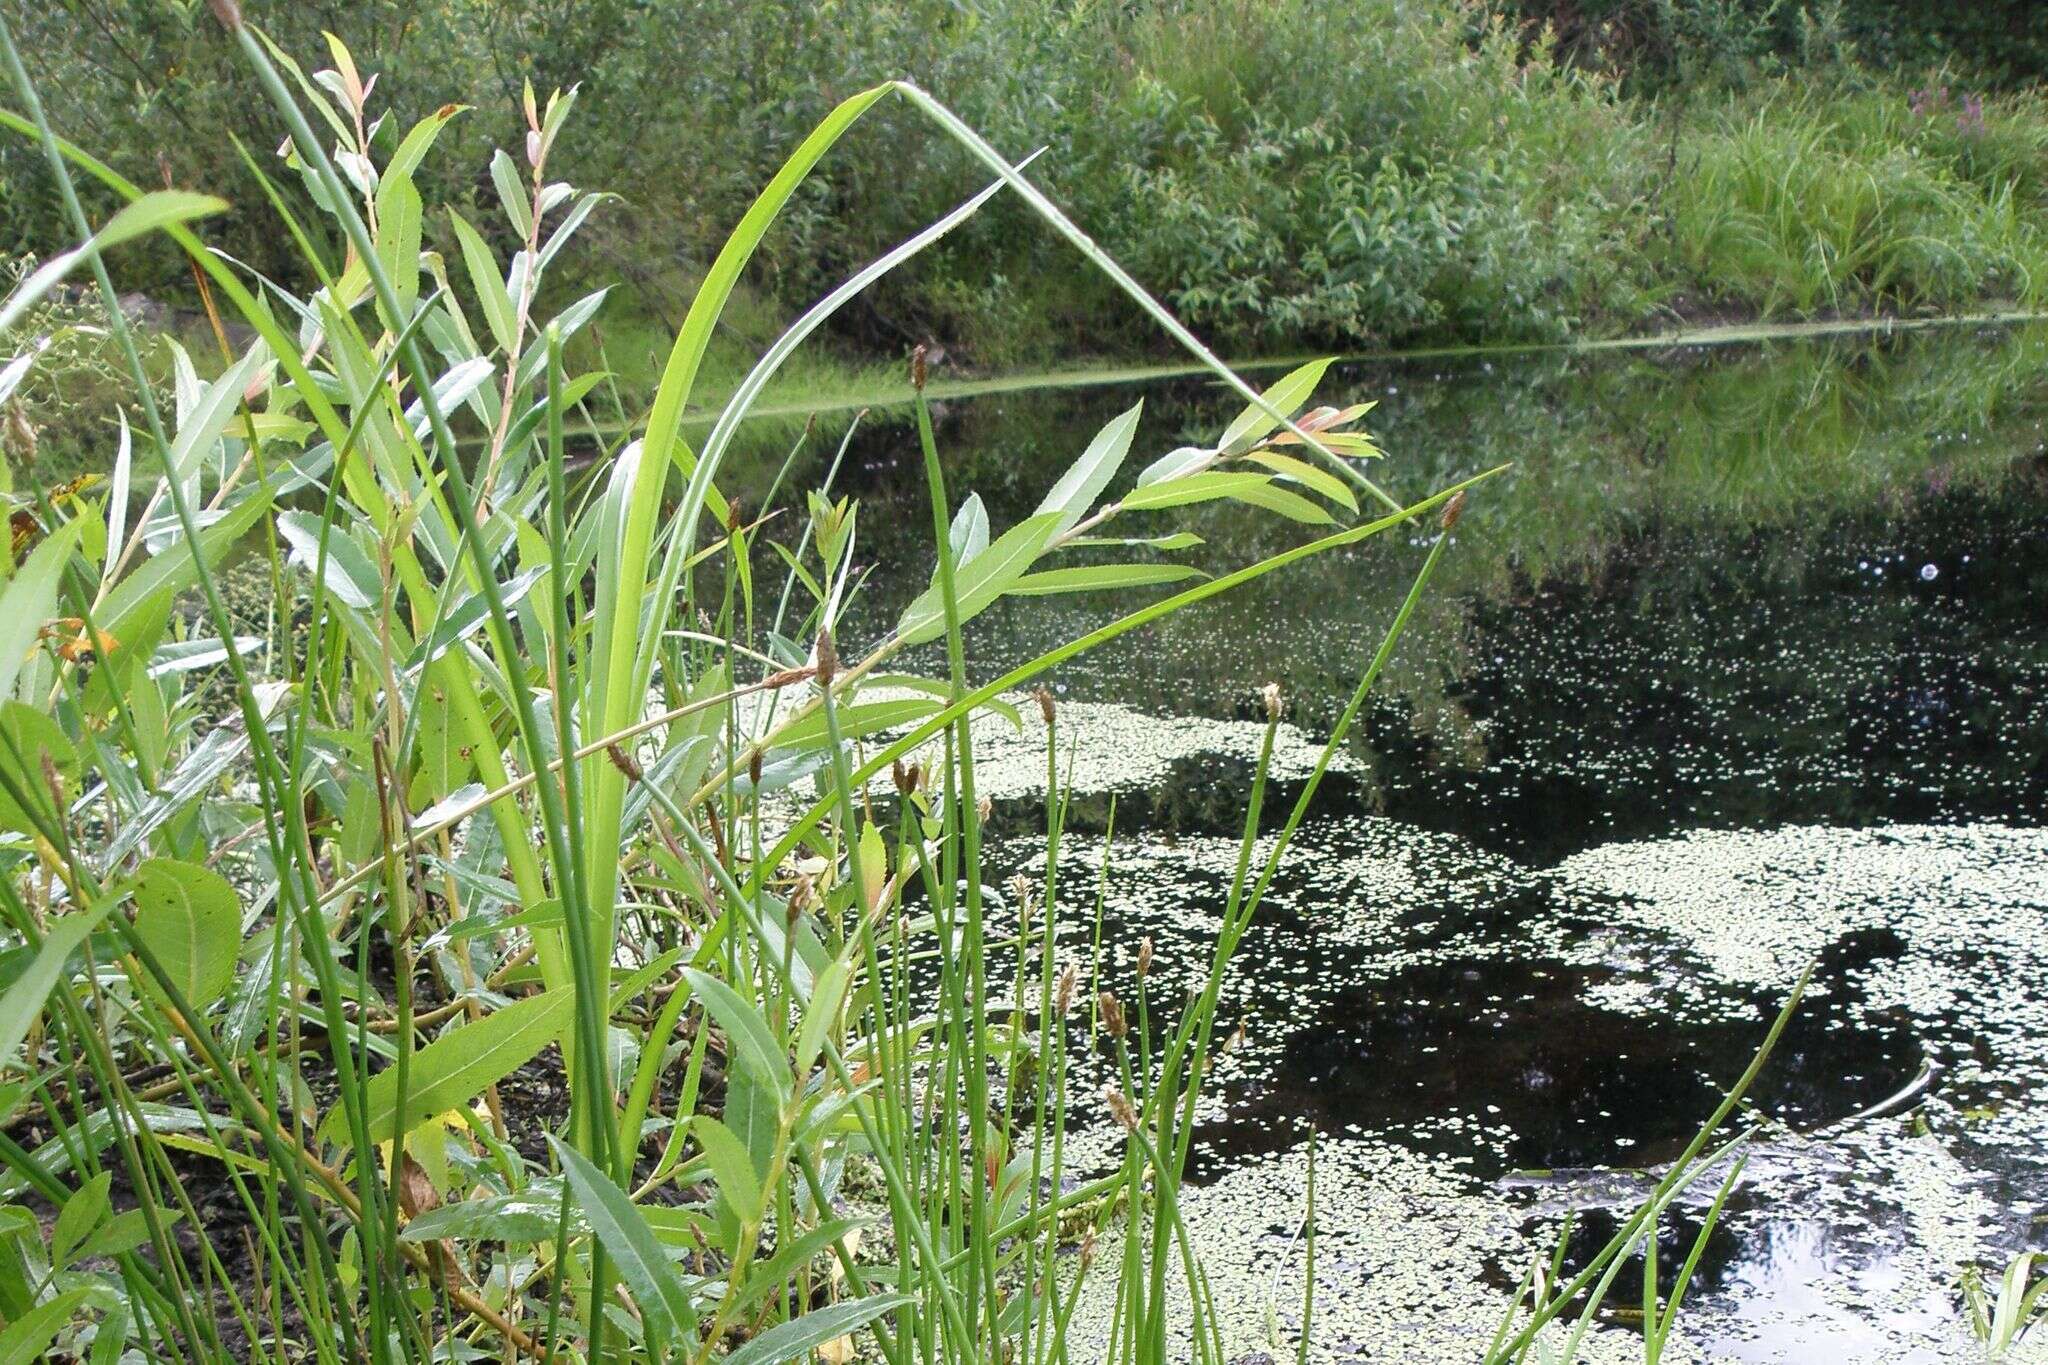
(1745, 662)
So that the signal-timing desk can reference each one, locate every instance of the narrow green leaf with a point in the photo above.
(350, 575)
(173, 570)
(753, 1045)
(829, 990)
(160, 209)
(797, 1338)
(419, 140)
(863, 719)
(456, 1067)
(1301, 472)
(1078, 488)
(1290, 505)
(1286, 395)
(88, 1205)
(1203, 487)
(1094, 577)
(189, 918)
(30, 600)
(991, 575)
(488, 282)
(664, 1303)
(24, 999)
(512, 193)
(398, 236)
(29, 1335)
(732, 1166)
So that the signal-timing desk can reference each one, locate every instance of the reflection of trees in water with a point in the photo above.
(1747, 679)
(1657, 620)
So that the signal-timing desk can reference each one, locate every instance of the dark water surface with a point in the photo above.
(1745, 663)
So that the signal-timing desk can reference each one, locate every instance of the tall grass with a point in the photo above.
(528, 776)
(1865, 201)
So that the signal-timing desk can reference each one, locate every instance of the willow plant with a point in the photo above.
(520, 768)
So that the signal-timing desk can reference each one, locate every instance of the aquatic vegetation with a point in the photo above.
(516, 939)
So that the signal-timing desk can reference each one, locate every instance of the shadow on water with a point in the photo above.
(1778, 590)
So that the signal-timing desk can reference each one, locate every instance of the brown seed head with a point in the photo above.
(917, 368)
(828, 659)
(983, 809)
(1112, 1014)
(1044, 698)
(1120, 1107)
(228, 12)
(623, 761)
(1454, 509)
(754, 770)
(1145, 958)
(1063, 993)
(907, 776)
(54, 780)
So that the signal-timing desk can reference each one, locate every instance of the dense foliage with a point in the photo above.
(1284, 173)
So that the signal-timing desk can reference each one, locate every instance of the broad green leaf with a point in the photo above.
(797, 1338)
(125, 1231)
(456, 1067)
(487, 281)
(745, 1030)
(977, 584)
(87, 1207)
(28, 737)
(731, 1166)
(1286, 395)
(1095, 577)
(24, 999)
(664, 1303)
(29, 1335)
(189, 918)
(30, 600)
(173, 570)
(1085, 479)
(1203, 487)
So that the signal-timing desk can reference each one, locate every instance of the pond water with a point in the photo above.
(1745, 663)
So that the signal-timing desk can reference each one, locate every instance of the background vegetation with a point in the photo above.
(1285, 174)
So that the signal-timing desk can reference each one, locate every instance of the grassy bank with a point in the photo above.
(1286, 175)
